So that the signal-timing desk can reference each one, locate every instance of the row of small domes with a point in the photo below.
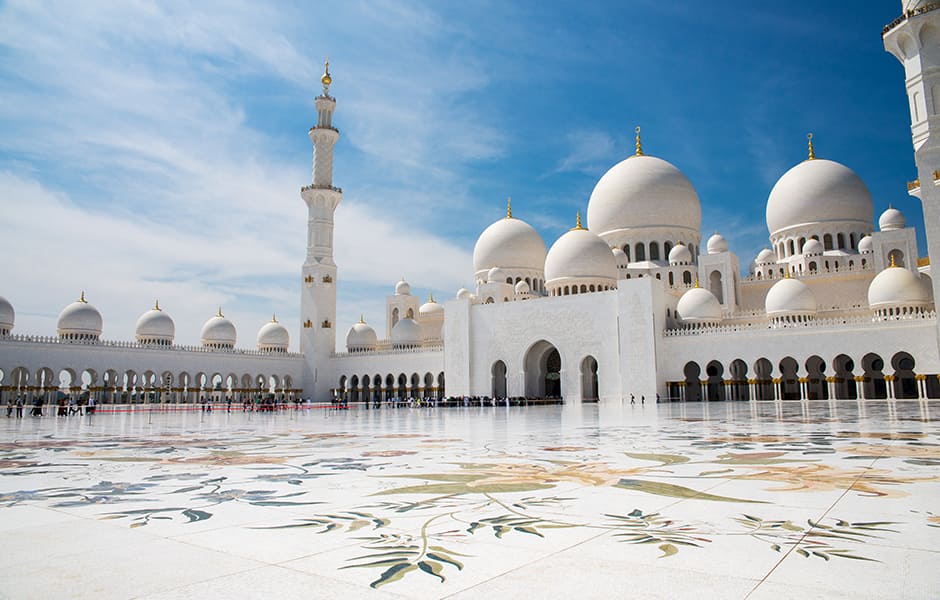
(81, 320)
(893, 288)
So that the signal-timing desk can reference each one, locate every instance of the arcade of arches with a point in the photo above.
(842, 378)
(376, 388)
(113, 387)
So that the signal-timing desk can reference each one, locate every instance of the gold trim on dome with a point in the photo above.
(577, 226)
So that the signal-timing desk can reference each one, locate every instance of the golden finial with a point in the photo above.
(891, 256)
(431, 298)
(696, 282)
(577, 225)
(326, 80)
(639, 144)
(156, 305)
(509, 207)
(274, 318)
(220, 312)
(809, 143)
(82, 299)
(786, 273)
(361, 319)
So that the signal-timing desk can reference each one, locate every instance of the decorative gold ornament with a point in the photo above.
(326, 80)
(509, 207)
(577, 226)
(809, 143)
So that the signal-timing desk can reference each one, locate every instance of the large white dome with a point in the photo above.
(361, 337)
(7, 316)
(402, 288)
(818, 191)
(431, 309)
(509, 243)
(680, 255)
(406, 333)
(643, 191)
(699, 306)
(79, 320)
(155, 327)
(218, 332)
(790, 297)
(765, 257)
(580, 254)
(896, 287)
(273, 336)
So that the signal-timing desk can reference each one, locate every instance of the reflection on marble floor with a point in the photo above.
(722, 500)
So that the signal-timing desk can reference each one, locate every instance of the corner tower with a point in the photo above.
(914, 39)
(318, 298)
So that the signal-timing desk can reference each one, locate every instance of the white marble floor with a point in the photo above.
(730, 500)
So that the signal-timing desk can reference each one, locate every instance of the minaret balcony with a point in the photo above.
(908, 14)
(314, 186)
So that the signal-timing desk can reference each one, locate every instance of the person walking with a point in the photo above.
(10, 405)
(19, 407)
(632, 399)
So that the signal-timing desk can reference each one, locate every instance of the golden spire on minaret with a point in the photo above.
(509, 207)
(326, 80)
(809, 143)
(156, 305)
(431, 298)
(639, 144)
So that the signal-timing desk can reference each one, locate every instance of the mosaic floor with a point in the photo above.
(730, 500)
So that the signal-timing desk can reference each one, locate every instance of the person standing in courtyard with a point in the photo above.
(19, 407)
(632, 399)
(10, 405)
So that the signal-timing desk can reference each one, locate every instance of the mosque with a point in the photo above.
(624, 304)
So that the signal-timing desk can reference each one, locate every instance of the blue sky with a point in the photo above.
(157, 149)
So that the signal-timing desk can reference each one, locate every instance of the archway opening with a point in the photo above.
(499, 379)
(845, 388)
(589, 378)
(693, 387)
(905, 385)
(875, 387)
(715, 391)
(816, 386)
(543, 371)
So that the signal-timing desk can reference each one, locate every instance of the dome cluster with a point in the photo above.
(7, 316)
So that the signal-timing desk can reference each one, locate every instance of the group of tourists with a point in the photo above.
(65, 406)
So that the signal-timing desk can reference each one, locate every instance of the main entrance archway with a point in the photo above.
(543, 371)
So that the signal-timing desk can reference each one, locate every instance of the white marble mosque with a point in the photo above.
(627, 303)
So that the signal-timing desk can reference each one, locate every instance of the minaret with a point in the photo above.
(318, 298)
(914, 39)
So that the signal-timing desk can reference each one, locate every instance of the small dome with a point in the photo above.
(643, 191)
(273, 336)
(765, 257)
(522, 287)
(891, 219)
(818, 191)
(620, 257)
(218, 332)
(896, 287)
(812, 247)
(431, 309)
(716, 244)
(402, 288)
(680, 255)
(464, 294)
(361, 337)
(495, 275)
(580, 254)
(865, 245)
(406, 333)
(790, 297)
(7, 316)
(699, 306)
(155, 327)
(79, 320)
(509, 243)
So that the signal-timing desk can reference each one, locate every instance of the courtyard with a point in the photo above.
(833, 499)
